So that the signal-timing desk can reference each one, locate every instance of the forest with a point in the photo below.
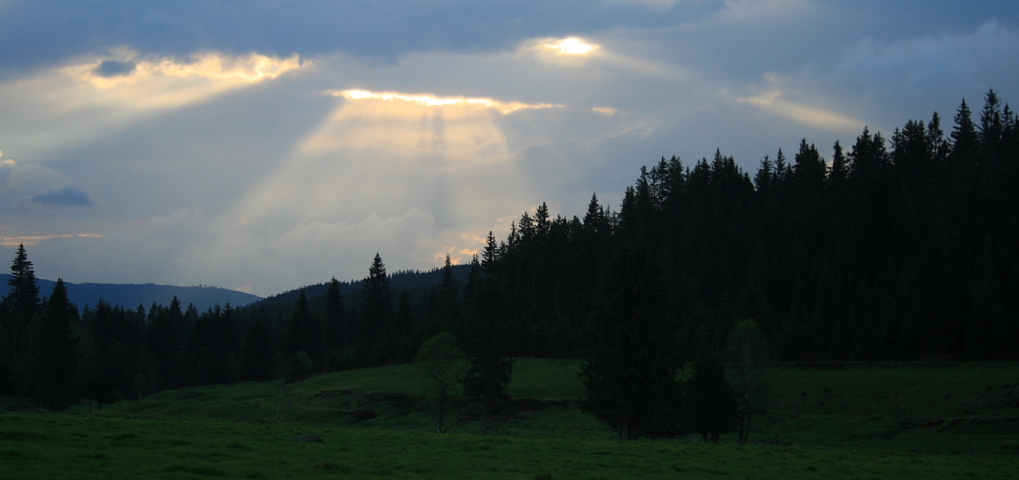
(891, 248)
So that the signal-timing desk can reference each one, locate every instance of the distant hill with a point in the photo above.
(132, 295)
(409, 279)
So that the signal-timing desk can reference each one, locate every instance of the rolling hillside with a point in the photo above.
(132, 295)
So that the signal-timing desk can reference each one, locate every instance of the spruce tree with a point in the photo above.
(448, 300)
(713, 400)
(255, 355)
(965, 141)
(629, 373)
(839, 171)
(161, 341)
(300, 334)
(21, 303)
(56, 363)
(484, 339)
(376, 301)
(334, 329)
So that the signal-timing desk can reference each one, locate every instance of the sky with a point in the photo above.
(267, 145)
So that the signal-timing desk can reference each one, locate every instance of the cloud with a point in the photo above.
(41, 33)
(774, 101)
(33, 241)
(429, 100)
(225, 70)
(114, 68)
(92, 96)
(758, 10)
(69, 196)
(6, 167)
(928, 65)
(569, 51)
(205, 133)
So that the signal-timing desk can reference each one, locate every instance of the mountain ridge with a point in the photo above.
(130, 295)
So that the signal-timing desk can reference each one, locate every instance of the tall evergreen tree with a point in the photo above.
(839, 171)
(448, 300)
(713, 400)
(56, 362)
(484, 341)
(809, 169)
(376, 301)
(965, 140)
(21, 304)
(301, 334)
(334, 328)
(255, 356)
(629, 373)
(161, 341)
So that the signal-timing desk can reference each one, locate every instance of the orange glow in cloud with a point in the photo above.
(33, 241)
(434, 101)
(569, 51)
(569, 46)
(251, 68)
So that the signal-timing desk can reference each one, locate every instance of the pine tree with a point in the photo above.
(404, 316)
(255, 356)
(300, 334)
(162, 343)
(629, 374)
(713, 400)
(21, 303)
(965, 140)
(839, 171)
(334, 329)
(448, 299)
(991, 125)
(376, 301)
(484, 339)
(56, 363)
(809, 170)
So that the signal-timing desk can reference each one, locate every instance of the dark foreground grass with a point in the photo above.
(928, 408)
(50, 446)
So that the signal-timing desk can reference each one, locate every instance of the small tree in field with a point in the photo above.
(101, 390)
(438, 355)
(713, 400)
(748, 352)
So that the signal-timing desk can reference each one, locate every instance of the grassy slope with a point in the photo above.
(860, 421)
(946, 408)
(943, 408)
(46, 446)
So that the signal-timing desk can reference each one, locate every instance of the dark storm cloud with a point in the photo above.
(113, 68)
(69, 196)
(39, 33)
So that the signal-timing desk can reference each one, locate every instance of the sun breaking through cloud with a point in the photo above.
(571, 46)
(251, 68)
(434, 101)
(569, 51)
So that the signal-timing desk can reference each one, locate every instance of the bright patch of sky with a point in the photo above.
(277, 145)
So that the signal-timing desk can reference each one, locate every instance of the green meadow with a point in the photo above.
(869, 420)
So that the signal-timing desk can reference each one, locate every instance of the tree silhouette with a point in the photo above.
(629, 374)
(56, 363)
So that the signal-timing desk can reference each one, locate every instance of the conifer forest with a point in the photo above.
(892, 246)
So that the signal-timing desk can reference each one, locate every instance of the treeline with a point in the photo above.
(53, 354)
(898, 248)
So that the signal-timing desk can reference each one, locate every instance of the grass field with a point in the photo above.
(893, 420)
(47, 446)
